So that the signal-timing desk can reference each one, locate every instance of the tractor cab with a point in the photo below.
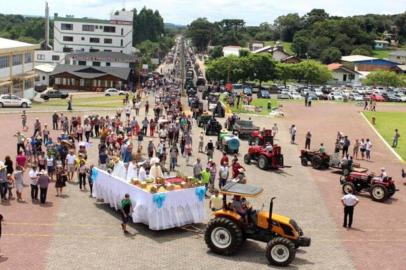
(226, 232)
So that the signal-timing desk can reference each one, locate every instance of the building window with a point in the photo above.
(109, 29)
(40, 56)
(108, 41)
(67, 38)
(66, 26)
(55, 57)
(82, 38)
(94, 40)
(4, 62)
(67, 49)
(43, 78)
(82, 63)
(107, 50)
(17, 59)
(88, 27)
(28, 57)
(96, 64)
(122, 31)
(121, 43)
(93, 50)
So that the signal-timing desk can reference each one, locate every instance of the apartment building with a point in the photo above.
(16, 68)
(93, 35)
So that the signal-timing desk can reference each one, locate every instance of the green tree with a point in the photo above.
(228, 69)
(285, 72)
(216, 52)
(259, 67)
(200, 31)
(147, 25)
(288, 25)
(312, 72)
(330, 55)
(385, 78)
(362, 50)
(315, 15)
(244, 52)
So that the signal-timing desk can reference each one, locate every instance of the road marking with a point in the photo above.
(380, 136)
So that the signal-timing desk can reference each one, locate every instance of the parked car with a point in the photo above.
(335, 96)
(53, 94)
(401, 97)
(295, 95)
(283, 95)
(14, 101)
(356, 97)
(114, 92)
(263, 93)
(247, 90)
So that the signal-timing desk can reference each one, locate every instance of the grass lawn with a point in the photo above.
(260, 102)
(92, 102)
(386, 123)
(381, 53)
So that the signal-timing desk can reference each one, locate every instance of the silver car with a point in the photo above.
(8, 100)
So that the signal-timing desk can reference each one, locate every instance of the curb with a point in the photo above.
(382, 138)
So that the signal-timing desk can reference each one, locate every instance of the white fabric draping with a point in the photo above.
(179, 208)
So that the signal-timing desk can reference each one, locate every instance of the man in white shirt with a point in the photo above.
(223, 174)
(33, 174)
(70, 163)
(274, 130)
(349, 201)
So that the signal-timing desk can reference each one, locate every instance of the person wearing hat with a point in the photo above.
(383, 174)
(43, 182)
(3, 181)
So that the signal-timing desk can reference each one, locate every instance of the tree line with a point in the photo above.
(261, 68)
(314, 35)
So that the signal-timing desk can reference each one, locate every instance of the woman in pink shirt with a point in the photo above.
(21, 160)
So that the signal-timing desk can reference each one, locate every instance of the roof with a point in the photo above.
(398, 53)
(235, 47)
(88, 72)
(84, 20)
(47, 68)
(244, 190)
(357, 58)
(381, 41)
(104, 56)
(11, 44)
(402, 67)
(263, 49)
(338, 66)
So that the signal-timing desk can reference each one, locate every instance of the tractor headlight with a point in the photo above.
(296, 227)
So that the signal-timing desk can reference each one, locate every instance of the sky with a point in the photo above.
(184, 11)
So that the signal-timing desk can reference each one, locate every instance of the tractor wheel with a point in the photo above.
(280, 251)
(379, 193)
(304, 161)
(347, 187)
(317, 162)
(263, 162)
(247, 159)
(223, 236)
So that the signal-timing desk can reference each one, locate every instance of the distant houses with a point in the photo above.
(342, 74)
(231, 50)
(279, 54)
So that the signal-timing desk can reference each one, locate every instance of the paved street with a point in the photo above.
(76, 232)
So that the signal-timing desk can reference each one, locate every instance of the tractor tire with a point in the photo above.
(347, 186)
(280, 251)
(304, 161)
(317, 163)
(263, 163)
(247, 159)
(379, 193)
(223, 236)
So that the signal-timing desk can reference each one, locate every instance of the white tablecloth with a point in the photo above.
(179, 207)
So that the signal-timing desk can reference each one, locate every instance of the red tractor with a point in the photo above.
(379, 189)
(261, 137)
(265, 159)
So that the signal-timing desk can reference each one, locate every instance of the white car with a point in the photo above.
(295, 95)
(14, 101)
(336, 96)
(357, 97)
(114, 92)
(401, 97)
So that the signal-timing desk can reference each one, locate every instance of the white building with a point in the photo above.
(92, 35)
(43, 71)
(16, 68)
(49, 57)
(343, 75)
(231, 50)
(102, 59)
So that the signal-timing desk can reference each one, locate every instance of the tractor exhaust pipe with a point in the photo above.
(270, 214)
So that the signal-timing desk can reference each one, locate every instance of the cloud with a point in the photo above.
(185, 11)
